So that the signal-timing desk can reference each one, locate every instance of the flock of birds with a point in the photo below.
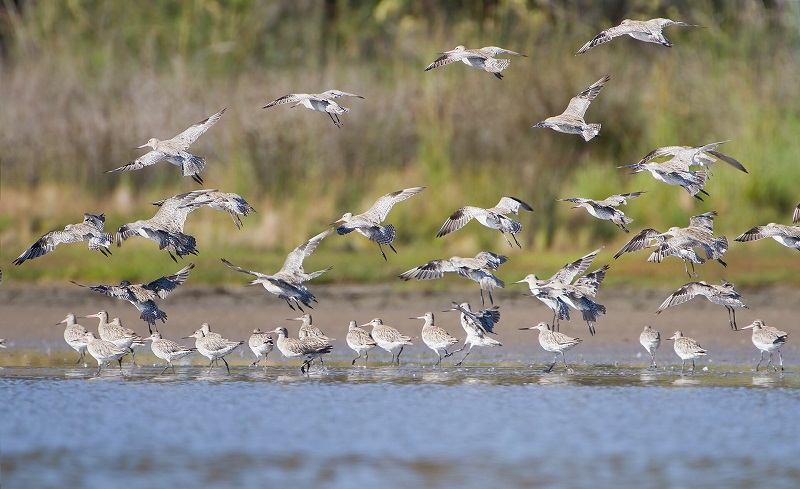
(569, 288)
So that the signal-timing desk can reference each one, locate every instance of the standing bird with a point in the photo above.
(436, 338)
(91, 230)
(788, 236)
(308, 330)
(606, 209)
(571, 120)
(388, 338)
(104, 351)
(175, 151)
(476, 269)
(166, 226)
(75, 335)
(650, 339)
(143, 295)
(642, 30)
(481, 59)
(687, 348)
(477, 325)
(767, 339)
(320, 102)
(493, 218)
(214, 347)
(369, 223)
(360, 341)
(308, 348)
(116, 333)
(555, 342)
(261, 344)
(168, 350)
(724, 295)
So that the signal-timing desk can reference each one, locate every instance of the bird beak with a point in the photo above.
(187, 337)
(518, 282)
(142, 146)
(95, 315)
(336, 222)
(523, 329)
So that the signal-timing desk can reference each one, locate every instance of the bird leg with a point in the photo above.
(335, 123)
(515, 240)
(465, 356)
(683, 364)
(120, 363)
(550, 368)
(732, 317)
(99, 367)
(172, 256)
(211, 364)
(79, 359)
(197, 178)
(506, 238)
(366, 357)
(456, 351)
(564, 357)
(356, 358)
(165, 368)
(692, 366)
(382, 253)
(398, 355)
(770, 362)
(591, 328)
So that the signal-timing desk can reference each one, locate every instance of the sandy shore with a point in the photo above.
(29, 314)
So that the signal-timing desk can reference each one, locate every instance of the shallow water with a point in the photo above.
(409, 426)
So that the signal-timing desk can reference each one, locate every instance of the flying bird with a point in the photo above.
(369, 223)
(492, 218)
(642, 30)
(571, 120)
(481, 59)
(143, 296)
(175, 151)
(724, 295)
(607, 209)
(476, 269)
(91, 230)
(320, 102)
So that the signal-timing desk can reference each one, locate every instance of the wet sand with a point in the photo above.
(30, 311)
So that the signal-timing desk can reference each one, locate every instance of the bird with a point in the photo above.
(308, 348)
(3, 343)
(481, 59)
(214, 347)
(650, 339)
(91, 230)
(725, 295)
(233, 204)
(674, 172)
(261, 344)
(75, 335)
(369, 223)
(104, 351)
(360, 341)
(554, 342)
(681, 242)
(703, 156)
(795, 219)
(493, 218)
(571, 120)
(287, 283)
(436, 338)
(308, 330)
(687, 348)
(143, 295)
(641, 30)
(767, 339)
(166, 226)
(606, 209)
(476, 269)
(559, 292)
(168, 350)
(116, 333)
(175, 151)
(477, 324)
(320, 102)
(388, 338)
(788, 236)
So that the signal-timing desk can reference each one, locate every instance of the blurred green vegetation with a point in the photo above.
(83, 82)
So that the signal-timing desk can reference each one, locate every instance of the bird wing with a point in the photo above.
(579, 103)
(164, 285)
(380, 209)
(447, 58)
(432, 270)
(459, 219)
(288, 99)
(510, 204)
(615, 200)
(571, 270)
(294, 260)
(492, 51)
(332, 94)
(639, 242)
(147, 159)
(605, 36)
(114, 291)
(190, 135)
(685, 293)
(491, 260)
(703, 221)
